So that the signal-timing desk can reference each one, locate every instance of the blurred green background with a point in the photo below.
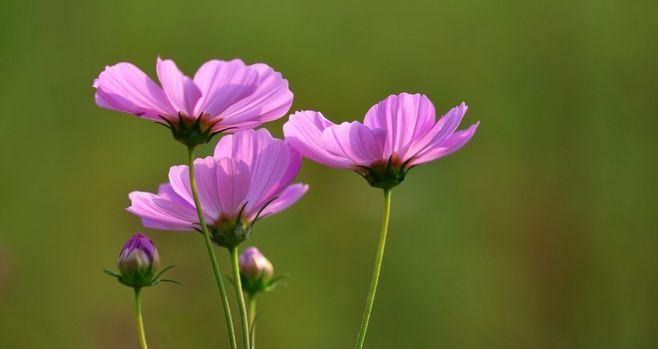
(541, 233)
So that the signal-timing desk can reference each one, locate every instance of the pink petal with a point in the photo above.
(223, 84)
(356, 142)
(273, 164)
(287, 198)
(233, 180)
(446, 147)
(271, 100)
(406, 117)
(205, 174)
(123, 87)
(245, 145)
(208, 175)
(273, 169)
(180, 89)
(180, 182)
(440, 131)
(303, 131)
(164, 210)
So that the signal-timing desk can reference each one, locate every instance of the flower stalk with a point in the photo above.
(140, 322)
(240, 296)
(211, 252)
(376, 270)
(252, 320)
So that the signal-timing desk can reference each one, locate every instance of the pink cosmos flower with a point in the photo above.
(222, 96)
(397, 134)
(248, 178)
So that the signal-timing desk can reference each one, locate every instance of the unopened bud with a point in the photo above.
(254, 266)
(138, 261)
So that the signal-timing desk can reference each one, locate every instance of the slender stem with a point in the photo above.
(376, 270)
(140, 321)
(240, 295)
(211, 252)
(252, 320)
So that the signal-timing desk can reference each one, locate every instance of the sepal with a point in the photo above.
(262, 284)
(139, 281)
(193, 132)
(384, 175)
(230, 234)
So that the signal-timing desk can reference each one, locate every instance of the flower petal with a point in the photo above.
(272, 163)
(209, 180)
(124, 87)
(180, 182)
(223, 84)
(446, 147)
(406, 117)
(271, 100)
(245, 145)
(205, 174)
(356, 142)
(275, 168)
(303, 131)
(163, 211)
(180, 89)
(287, 198)
(233, 179)
(440, 131)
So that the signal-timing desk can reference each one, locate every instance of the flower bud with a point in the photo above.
(254, 266)
(138, 261)
(256, 272)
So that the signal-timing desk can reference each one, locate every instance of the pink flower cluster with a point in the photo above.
(250, 175)
(397, 133)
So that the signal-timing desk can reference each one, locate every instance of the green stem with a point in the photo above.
(140, 321)
(211, 252)
(376, 270)
(252, 320)
(240, 295)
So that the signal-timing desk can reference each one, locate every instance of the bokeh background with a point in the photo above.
(541, 233)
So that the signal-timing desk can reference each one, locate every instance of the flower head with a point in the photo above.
(138, 261)
(223, 96)
(397, 134)
(253, 265)
(248, 178)
(256, 272)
